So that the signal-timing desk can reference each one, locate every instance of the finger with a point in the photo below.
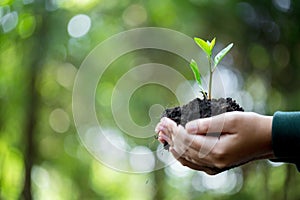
(161, 139)
(166, 126)
(159, 127)
(164, 129)
(192, 165)
(202, 145)
(181, 141)
(192, 156)
(215, 124)
(164, 138)
(159, 130)
(169, 125)
(185, 160)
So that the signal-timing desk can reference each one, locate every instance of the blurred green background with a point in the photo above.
(43, 43)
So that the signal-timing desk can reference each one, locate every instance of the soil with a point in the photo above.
(200, 108)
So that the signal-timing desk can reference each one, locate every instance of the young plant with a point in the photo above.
(207, 47)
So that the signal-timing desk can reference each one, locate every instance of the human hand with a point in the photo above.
(218, 143)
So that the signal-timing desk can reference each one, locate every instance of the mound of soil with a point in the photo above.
(200, 108)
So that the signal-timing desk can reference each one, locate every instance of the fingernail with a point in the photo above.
(160, 139)
(164, 137)
(157, 129)
(191, 127)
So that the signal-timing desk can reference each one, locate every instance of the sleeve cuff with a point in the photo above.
(286, 135)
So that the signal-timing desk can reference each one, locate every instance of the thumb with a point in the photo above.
(216, 124)
(198, 126)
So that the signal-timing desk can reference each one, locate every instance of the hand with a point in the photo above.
(219, 143)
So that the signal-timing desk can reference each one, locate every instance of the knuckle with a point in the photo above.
(232, 120)
(181, 150)
(187, 140)
(220, 158)
(205, 127)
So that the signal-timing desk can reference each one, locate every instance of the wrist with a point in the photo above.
(265, 132)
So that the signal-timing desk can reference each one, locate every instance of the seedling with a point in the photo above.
(207, 47)
(206, 107)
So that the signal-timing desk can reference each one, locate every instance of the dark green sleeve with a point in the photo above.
(286, 137)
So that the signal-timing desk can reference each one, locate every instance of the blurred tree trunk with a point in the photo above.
(29, 152)
(34, 56)
(288, 179)
(160, 180)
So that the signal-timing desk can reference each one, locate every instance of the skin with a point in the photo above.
(219, 143)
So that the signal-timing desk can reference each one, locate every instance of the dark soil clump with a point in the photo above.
(200, 108)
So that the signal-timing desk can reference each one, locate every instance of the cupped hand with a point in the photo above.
(218, 143)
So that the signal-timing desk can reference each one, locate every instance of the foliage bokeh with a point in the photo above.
(40, 154)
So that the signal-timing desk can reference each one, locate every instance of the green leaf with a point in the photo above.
(205, 46)
(221, 55)
(196, 72)
(212, 44)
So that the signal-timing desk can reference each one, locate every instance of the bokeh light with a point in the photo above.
(9, 21)
(142, 159)
(26, 26)
(282, 5)
(65, 75)
(59, 120)
(79, 25)
(135, 15)
(224, 183)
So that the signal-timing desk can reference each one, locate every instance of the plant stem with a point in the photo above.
(210, 78)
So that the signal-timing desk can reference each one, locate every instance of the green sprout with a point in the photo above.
(207, 47)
